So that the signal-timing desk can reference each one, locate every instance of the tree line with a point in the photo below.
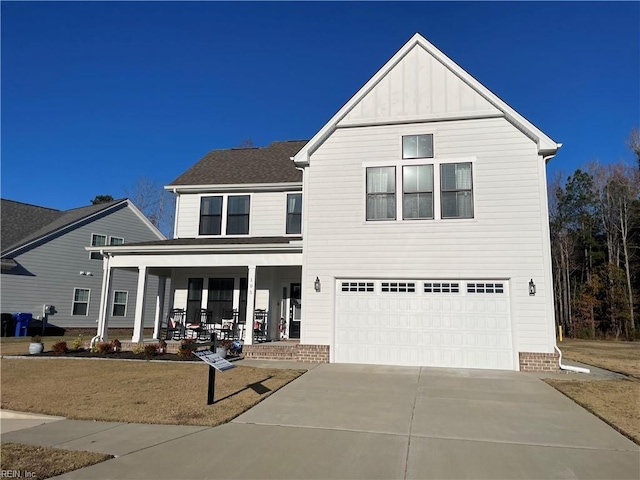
(594, 219)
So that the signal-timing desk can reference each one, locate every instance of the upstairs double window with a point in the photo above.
(224, 213)
(416, 181)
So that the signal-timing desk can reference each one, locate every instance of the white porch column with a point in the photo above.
(162, 282)
(103, 313)
(140, 296)
(251, 305)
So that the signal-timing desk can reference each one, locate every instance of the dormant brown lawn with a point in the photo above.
(615, 401)
(35, 462)
(135, 391)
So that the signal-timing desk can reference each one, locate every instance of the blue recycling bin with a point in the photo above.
(22, 323)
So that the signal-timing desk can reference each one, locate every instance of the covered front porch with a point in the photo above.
(207, 286)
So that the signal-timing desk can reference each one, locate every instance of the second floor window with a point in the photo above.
(210, 216)
(294, 213)
(238, 215)
(97, 241)
(225, 215)
(381, 193)
(456, 190)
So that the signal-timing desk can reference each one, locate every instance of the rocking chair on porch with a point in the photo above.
(175, 324)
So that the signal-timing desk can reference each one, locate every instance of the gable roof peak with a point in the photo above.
(546, 146)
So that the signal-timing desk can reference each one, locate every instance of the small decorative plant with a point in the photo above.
(105, 347)
(78, 343)
(60, 348)
(150, 349)
(117, 346)
(138, 348)
(186, 352)
(162, 347)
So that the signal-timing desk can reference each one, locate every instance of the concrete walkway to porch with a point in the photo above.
(367, 422)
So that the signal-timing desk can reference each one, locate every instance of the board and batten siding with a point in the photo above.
(417, 87)
(504, 240)
(53, 271)
(267, 217)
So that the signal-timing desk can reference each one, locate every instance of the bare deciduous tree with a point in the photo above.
(155, 202)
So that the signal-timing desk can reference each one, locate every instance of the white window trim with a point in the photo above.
(225, 201)
(113, 236)
(422, 132)
(113, 303)
(437, 191)
(106, 240)
(286, 206)
(73, 301)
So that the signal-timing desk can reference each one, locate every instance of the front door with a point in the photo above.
(295, 310)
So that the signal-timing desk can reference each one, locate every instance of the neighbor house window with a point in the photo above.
(119, 304)
(238, 215)
(294, 213)
(456, 190)
(381, 193)
(210, 216)
(116, 241)
(417, 146)
(417, 191)
(80, 301)
(97, 241)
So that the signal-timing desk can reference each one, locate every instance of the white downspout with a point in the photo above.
(569, 367)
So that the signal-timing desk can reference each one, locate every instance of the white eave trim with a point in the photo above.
(145, 220)
(226, 248)
(545, 144)
(237, 187)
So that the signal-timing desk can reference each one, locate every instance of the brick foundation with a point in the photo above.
(539, 362)
(295, 352)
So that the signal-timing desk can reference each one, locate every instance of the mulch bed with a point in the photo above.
(127, 355)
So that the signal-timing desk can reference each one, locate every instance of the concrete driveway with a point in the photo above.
(368, 422)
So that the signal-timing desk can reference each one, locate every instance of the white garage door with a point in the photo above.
(464, 324)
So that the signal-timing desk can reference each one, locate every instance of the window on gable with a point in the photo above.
(294, 213)
(417, 146)
(80, 301)
(417, 191)
(210, 216)
(456, 190)
(381, 193)
(119, 303)
(97, 241)
(238, 215)
(116, 241)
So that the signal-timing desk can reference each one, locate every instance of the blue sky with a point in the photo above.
(97, 95)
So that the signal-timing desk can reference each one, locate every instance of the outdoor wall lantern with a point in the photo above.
(316, 285)
(532, 288)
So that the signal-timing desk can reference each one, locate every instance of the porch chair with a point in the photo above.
(175, 324)
(198, 326)
(228, 324)
(260, 326)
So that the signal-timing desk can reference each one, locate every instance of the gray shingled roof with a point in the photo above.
(270, 164)
(216, 241)
(23, 223)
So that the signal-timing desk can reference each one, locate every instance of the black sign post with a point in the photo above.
(215, 362)
(212, 371)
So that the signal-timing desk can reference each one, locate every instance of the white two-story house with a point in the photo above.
(412, 229)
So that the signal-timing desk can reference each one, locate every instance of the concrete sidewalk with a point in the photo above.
(367, 422)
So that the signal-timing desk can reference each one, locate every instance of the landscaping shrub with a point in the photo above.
(78, 343)
(150, 349)
(186, 352)
(60, 348)
(138, 348)
(105, 347)
(117, 346)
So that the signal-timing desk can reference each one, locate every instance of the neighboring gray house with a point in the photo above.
(44, 261)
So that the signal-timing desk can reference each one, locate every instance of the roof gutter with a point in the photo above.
(237, 187)
(227, 248)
